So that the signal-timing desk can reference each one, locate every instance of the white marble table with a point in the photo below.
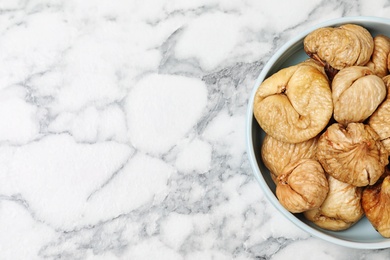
(122, 129)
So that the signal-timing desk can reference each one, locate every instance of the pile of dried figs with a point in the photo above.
(327, 125)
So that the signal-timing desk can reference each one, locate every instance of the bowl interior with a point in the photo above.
(362, 234)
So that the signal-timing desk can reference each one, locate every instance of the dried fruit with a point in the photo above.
(277, 154)
(354, 87)
(375, 203)
(366, 42)
(294, 104)
(378, 62)
(379, 120)
(302, 186)
(340, 47)
(341, 208)
(352, 154)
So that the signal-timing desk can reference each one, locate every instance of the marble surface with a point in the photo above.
(122, 129)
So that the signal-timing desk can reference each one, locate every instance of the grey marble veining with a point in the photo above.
(123, 129)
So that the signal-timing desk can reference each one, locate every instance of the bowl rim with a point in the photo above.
(250, 149)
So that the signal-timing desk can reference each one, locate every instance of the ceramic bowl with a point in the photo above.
(361, 235)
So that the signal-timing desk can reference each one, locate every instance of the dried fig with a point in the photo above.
(302, 186)
(379, 120)
(352, 154)
(388, 62)
(375, 203)
(378, 62)
(294, 104)
(366, 42)
(341, 208)
(277, 154)
(354, 87)
(340, 47)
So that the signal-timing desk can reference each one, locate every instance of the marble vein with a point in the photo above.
(122, 129)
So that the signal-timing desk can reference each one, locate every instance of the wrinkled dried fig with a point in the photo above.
(375, 203)
(341, 208)
(294, 104)
(352, 154)
(277, 154)
(366, 42)
(356, 87)
(388, 62)
(379, 120)
(378, 62)
(302, 186)
(340, 47)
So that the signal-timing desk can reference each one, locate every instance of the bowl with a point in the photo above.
(362, 235)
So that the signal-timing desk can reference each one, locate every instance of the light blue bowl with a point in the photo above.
(362, 235)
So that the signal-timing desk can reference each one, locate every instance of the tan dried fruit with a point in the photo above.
(302, 186)
(375, 203)
(356, 87)
(341, 208)
(366, 42)
(277, 154)
(379, 120)
(378, 62)
(352, 154)
(294, 104)
(388, 62)
(340, 47)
